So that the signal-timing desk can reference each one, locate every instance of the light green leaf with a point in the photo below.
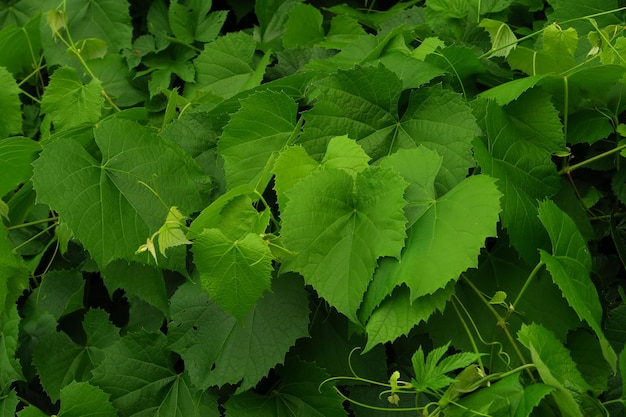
(411, 71)
(115, 209)
(138, 375)
(234, 272)
(521, 138)
(10, 105)
(272, 16)
(345, 154)
(191, 20)
(69, 102)
(171, 234)
(622, 369)
(15, 40)
(457, 9)
(218, 350)
(9, 403)
(397, 315)
(446, 240)
(502, 37)
(559, 42)
(430, 373)
(81, 399)
(556, 368)
(59, 360)
(304, 26)
(91, 48)
(299, 394)
(339, 226)
(16, 154)
(225, 67)
(509, 91)
(31, 411)
(570, 267)
(108, 20)
(263, 125)
(10, 368)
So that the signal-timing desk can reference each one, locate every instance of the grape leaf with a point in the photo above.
(299, 394)
(16, 154)
(446, 240)
(503, 39)
(521, 138)
(303, 27)
(108, 204)
(339, 226)
(8, 404)
(509, 91)
(235, 273)
(15, 40)
(10, 105)
(262, 126)
(60, 293)
(13, 274)
(69, 102)
(272, 16)
(81, 399)
(218, 350)
(59, 360)
(570, 266)
(556, 367)
(190, 20)
(10, 368)
(138, 374)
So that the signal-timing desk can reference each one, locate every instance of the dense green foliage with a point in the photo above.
(289, 208)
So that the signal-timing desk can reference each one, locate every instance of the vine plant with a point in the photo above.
(289, 208)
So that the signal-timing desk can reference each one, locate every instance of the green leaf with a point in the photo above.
(509, 91)
(69, 102)
(226, 66)
(60, 293)
(10, 368)
(108, 20)
(16, 155)
(15, 41)
(299, 394)
(570, 267)
(446, 240)
(521, 138)
(234, 272)
(430, 373)
(339, 226)
(556, 367)
(190, 20)
(138, 375)
(218, 350)
(263, 125)
(81, 399)
(10, 105)
(272, 16)
(116, 198)
(59, 360)
(8, 404)
(502, 37)
(303, 27)
(13, 274)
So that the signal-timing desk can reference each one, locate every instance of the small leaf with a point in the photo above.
(92, 48)
(430, 374)
(503, 39)
(171, 234)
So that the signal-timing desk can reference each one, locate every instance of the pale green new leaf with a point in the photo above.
(171, 234)
(430, 373)
(10, 105)
(81, 399)
(503, 39)
(69, 102)
(446, 240)
(262, 126)
(556, 368)
(218, 350)
(16, 154)
(234, 272)
(521, 138)
(110, 205)
(338, 226)
(570, 266)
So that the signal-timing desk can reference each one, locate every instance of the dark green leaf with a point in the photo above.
(10, 105)
(16, 154)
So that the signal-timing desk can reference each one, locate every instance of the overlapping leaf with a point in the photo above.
(10, 106)
(13, 274)
(110, 204)
(16, 154)
(218, 350)
(192, 20)
(521, 138)
(10, 368)
(570, 266)
(339, 225)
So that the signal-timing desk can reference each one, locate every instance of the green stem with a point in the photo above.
(574, 167)
(532, 275)
(33, 223)
(15, 249)
(469, 333)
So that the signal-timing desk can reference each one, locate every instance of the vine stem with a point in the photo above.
(33, 223)
(532, 275)
(574, 167)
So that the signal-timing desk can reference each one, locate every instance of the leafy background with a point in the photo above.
(209, 208)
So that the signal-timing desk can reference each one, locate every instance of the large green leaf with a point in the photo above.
(445, 241)
(81, 399)
(338, 226)
(570, 267)
(10, 368)
(556, 368)
(261, 127)
(18, 44)
(110, 204)
(16, 154)
(59, 360)
(234, 272)
(10, 105)
(137, 372)
(192, 20)
(521, 138)
(107, 20)
(218, 350)
(304, 26)
(298, 395)
(69, 102)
